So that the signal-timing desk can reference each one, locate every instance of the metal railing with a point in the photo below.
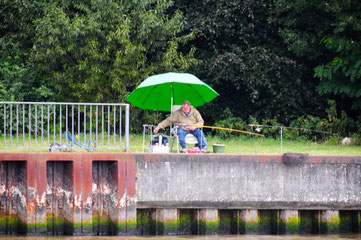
(40, 124)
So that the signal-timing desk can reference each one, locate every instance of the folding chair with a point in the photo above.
(189, 139)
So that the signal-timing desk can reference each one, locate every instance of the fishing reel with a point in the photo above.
(258, 128)
(148, 128)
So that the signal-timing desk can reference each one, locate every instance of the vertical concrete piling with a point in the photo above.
(269, 222)
(59, 198)
(349, 221)
(105, 198)
(31, 198)
(329, 222)
(250, 221)
(81, 220)
(3, 198)
(145, 224)
(157, 221)
(13, 197)
(188, 224)
(358, 224)
(157, 224)
(289, 222)
(130, 196)
(309, 221)
(122, 208)
(40, 178)
(167, 221)
(208, 221)
(229, 221)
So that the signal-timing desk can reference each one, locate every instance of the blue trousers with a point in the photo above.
(196, 132)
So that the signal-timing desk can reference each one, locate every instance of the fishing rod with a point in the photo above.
(260, 126)
(234, 130)
(219, 128)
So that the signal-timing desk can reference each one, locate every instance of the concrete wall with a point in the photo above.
(167, 194)
(67, 194)
(248, 181)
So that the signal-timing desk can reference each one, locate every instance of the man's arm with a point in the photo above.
(165, 123)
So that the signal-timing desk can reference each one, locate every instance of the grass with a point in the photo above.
(243, 145)
(240, 145)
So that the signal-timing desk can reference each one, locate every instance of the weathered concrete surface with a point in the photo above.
(67, 194)
(248, 182)
(168, 194)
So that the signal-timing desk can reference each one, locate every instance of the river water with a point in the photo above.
(218, 237)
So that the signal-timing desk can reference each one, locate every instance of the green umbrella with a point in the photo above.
(162, 91)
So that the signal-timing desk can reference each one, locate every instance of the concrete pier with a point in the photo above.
(289, 222)
(178, 194)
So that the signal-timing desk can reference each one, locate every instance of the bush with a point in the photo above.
(356, 136)
(308, 128)
(272, 128)
(330, 129)
(333, 140)
(229, 121)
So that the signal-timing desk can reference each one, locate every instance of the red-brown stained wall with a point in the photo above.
(45, 204)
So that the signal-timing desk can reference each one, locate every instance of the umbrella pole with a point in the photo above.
(171, 104)
(171, 108)
(171, 98)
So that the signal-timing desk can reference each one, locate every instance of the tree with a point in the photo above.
(244, 59)
(99, 50)
(342, 74)
(19, 78)
(327, 35)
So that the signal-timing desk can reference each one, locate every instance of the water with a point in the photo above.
(217, 237)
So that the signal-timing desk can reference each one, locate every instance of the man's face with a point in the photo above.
(185, 108)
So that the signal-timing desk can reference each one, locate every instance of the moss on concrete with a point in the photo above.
(31, 228)
(170, 227)
(12, 224)
(333, 225)
(11, 220)
(39, 228)
(212, 227)
(251, 226)
(59, 224)
(292, 225)
(3, 221)
(122, 227)
(22, 228)
(131, 226)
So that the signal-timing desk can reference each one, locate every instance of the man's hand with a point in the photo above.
(192, 128)
(156, 129)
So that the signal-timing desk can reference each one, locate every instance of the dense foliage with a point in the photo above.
(95, 51)
(243, 58)
(327, 35)
(273, 62)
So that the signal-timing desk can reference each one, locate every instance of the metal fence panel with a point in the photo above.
(71, 125)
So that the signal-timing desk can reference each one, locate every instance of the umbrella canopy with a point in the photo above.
(162, 91)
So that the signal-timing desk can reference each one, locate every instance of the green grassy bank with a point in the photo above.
(241, 145)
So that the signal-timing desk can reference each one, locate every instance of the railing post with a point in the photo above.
(4, 124)
(281, 139)
(11, 125)
(127, 128)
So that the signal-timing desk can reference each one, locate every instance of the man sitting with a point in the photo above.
(190, 120)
